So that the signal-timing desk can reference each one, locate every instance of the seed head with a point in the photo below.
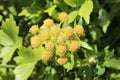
(79, 30)
(45, 35)
(34, 29)
(60, 50)
(63, 17)
(62, 39)
(62, 60)
(68, 31)
(55, 30)
(74, 45)
(35, 42)
(46, 55)
(49, 45)
(48, 22)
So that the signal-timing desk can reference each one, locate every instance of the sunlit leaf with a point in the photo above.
(86, 9)
(10, 28)
(72, 16)
(112, 63)
(100, 70)
(9, 39)
(50, 10)
(70, 65)
(86, 45)
(30, 12)
(7, 53)
(23, 71)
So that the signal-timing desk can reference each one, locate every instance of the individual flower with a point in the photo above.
(48, 22)
(68, 31)
(49, 45)
(35, 42)
(34, 29)
(46, 55)
(62, 39)
(60, 50)
(63, 16)
(45, 35)
(62, 60)
(74, 45)
(79, 30)
(55, 30)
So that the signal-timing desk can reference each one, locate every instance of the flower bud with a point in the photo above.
(60, 50)
(34, 29)
(79, 30)
(62, 60)
(48, 22)
(68, 31)
(74, 45)
(63, 17)
(46, 55)
(35, 42)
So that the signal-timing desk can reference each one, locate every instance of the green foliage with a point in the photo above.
(98, 57)
(9, 39)
(85, 10)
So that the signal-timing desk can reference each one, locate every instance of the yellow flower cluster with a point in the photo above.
(55, 30)
(63, 17)
(48, 22)
(49, 45)
(62, 60)
(34, 29)
(74, 45)
(46, 55)
(68, 31)
(56, 40)
(79, 30)
(45, 35)
(60, 50)
(35, 42)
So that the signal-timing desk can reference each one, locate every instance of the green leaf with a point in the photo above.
(69, 65)
(30, 12)
(37, 53)
(72, 16)
(86, 45)
(114, 76)
(7, 53)
(5, 39)
(87, 73)
(112, 63)
(50, 10)
(86, 9)
(100, 70)
(108, 54)
(9, 39)
(74, 3)
(12, 10)
(27, 59)
(104, 19)
(23, 71)
(10, 28)
(25, 55)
